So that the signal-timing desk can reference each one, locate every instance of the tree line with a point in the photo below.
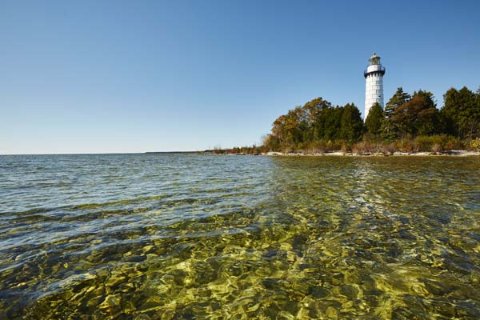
(407, 119)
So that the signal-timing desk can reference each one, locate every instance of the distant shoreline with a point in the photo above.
(170, 152)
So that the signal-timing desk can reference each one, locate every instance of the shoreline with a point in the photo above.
(451, 153)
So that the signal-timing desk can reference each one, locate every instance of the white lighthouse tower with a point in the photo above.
(373, 83)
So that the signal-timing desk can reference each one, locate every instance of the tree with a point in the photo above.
(301, 125)
(374, 120)
(351, 124)
(389, 129)
(332, 118)
(417, 116)
(315, 109)
(461, 111)
(400, 97)
(285, 129)
(271, 142)
(428, 118)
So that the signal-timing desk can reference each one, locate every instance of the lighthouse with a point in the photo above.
(373, 83)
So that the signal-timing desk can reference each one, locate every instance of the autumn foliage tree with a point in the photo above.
(418, 116)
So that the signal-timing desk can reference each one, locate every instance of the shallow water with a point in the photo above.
(196, 236)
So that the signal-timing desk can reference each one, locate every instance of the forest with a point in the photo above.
(408, 123)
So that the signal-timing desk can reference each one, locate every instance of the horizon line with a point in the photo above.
(99, 153)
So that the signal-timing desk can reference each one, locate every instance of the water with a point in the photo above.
(241, 237)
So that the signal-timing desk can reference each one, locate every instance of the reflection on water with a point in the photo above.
(195, 236)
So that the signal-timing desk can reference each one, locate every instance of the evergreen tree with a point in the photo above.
(389, 129)
(400, 97)
(374, 120)
(462, 112)
(351, 125)
(332, 123)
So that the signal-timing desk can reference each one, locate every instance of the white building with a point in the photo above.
(373, 83)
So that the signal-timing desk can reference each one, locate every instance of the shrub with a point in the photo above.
(363, 147)
(404, 145)
(452, 143)
(437, 143)
(423, 143)
(334, 145)
(388, 149)
(475, 144)
(436, 148)
(346, 147)
(313, 147)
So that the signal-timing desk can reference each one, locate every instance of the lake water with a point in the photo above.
(179, 236)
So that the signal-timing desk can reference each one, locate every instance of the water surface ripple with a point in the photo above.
(179, 236)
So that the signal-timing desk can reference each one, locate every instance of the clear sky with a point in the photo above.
(134, 76)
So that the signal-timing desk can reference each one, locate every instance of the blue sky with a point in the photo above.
(134, 76)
